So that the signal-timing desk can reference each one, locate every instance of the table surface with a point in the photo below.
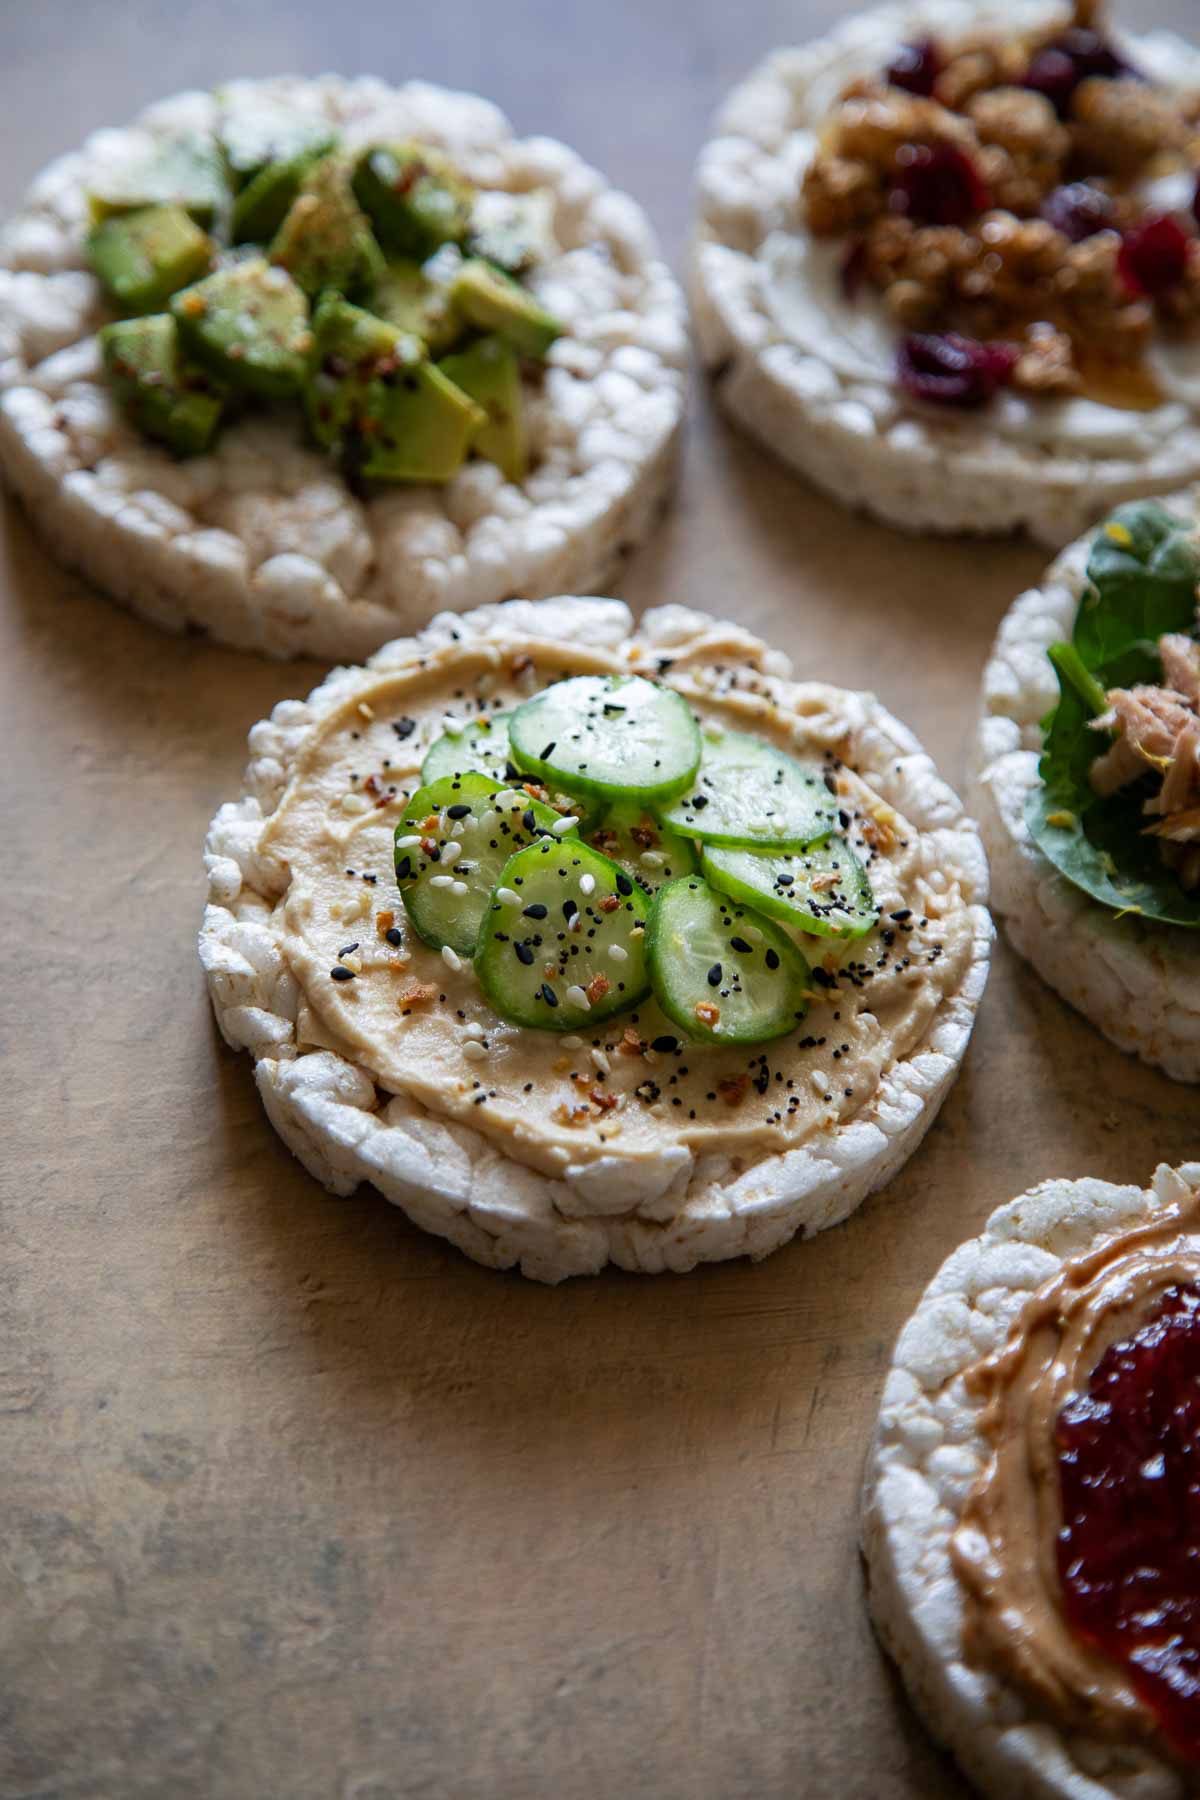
(295, 1501)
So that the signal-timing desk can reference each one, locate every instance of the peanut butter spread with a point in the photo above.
(631, 1091)
(1004, 1549)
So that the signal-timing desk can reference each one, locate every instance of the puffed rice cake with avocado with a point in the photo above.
(297, 363)
(966, 298)
(668, 1029)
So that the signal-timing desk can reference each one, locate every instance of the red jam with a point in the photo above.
(1129, 1549)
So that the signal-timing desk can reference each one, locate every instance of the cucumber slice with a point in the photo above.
(563, 943)
(617, 736)
(824, 889)
(644, 848)
(723, 972)
(749, 793)
(482, 745)
(447, 892)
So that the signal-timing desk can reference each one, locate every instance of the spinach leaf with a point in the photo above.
(1142, 582)
(1141, 576)
(1140, 883)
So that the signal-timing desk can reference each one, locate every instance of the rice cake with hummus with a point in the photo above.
(1029, 1518)
(297, 362)
(946, 263)
(722, 1099)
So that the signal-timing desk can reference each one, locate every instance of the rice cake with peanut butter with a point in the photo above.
(632, 1139)
(1028, 1526)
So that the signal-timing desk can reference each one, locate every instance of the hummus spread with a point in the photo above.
(1004, 1549)
(631, 1092)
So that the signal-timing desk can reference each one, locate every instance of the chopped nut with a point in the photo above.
(416, 993)
(609, 904)
(707, 1013)
(384, 922)
(733, 1089)
(1120, 126)
(596, 988)
(631, 1044)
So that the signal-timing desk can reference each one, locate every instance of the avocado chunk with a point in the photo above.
(248, 324)
(183, 172)
(421, 426)
(164, 395)
(490, 373)
(325, 241)
(264, 203)
(414, 197)
(494, 302)
(143, 257)
(253, 135)
(351, 349)
(514, 231)
(374, 397)
(405, 296)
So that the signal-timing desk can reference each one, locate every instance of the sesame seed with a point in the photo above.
(474, 1051)
(453, 727)
(451, 958)
(441, 881)
(587, 884)
(408, 843)
(354, 803)
(458, 889)
(571, 1042)
(577, 997)
(507, 897)
(561, 826)
(450, 853)
(341, 974)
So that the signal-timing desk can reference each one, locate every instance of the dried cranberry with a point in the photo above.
(937, 184)
(1078, 210)
(952, 370)
(1154, 254)
(1056, 70)
(916, 68)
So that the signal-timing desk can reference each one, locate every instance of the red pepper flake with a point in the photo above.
(707, 1013)
(732, 1089)
(609, 904)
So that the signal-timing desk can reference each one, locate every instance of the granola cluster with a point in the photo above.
(988, 191)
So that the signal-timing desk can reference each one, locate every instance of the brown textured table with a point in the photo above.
(295, 1502)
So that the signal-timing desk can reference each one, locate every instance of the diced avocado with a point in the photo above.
(253, 135)
(164, 395)
(414, 197)
(325, 241)
(494, 302)
(373, 396)
(490, 373)
(183, 172)
(514, 231)
(419, 426)
(248, 323)
(351, 349)
(405, 296)
(144, 257)
(264, 203)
